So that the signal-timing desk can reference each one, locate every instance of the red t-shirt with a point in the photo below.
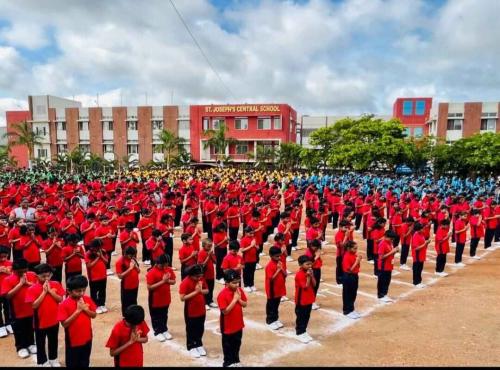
(151, 243)
(218, 238)
(74, 264)
(44, 314)
(184, 252)
(3, 275)
(124, 235)
(233, 321)
(195, 307)
(19, 308)
(31, 251)
(54, 258)
(209, 267)
(230, 261)
(234, 211)
(385, 246)
(160, 297)
(133, 355)
(460, 237)
(317, 262)
(131, 280)
(250, 255)
(442, 246)
(107, 243)
(304, 295)
(89, 235)
(347, 262)
(476, 227)
(417, 240)
(277, 287)
(96, 272)
(148, 223)
(79, 332)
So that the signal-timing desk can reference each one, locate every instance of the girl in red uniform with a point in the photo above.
(442, 246)
(350, 280)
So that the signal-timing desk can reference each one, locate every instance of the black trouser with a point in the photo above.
(233, 233)
(78, 357)
(497, 232)
(364, 232)
(205, 224)
(98, 292)
(249, 274)
(137, 217)
(435, 223)
(396, 241)
(209, 297)
(440, 262)
(375, 264)
(51, 334)
(369, 249)
(220, 253)
(178, 215)
(71, 274)
(335, 220)
(459, 250)
(473, 246)
(128, 297)
(23, 332)
(195, 327)
(17, 254)
(317, 277)
(146, 253)
(289, 249)
(303, 314)
(417, 272)
(159, 318)
(57, 274)
(357, 220)
(272, 306)
(184, 269)
(349, 291)
(338, 270)
(488, 237)
(4, 312)
(295, 237)
(405, 249)
(169, 247)
(384, 280)
(231, 344)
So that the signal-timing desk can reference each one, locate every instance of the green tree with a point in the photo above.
(323, 141)
(5, 159)
(170, 144)
(266, 156)
(219, 140)
(23, 135)
(419, 151)
(288, 156)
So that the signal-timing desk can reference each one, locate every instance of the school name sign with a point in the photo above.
(242, 109)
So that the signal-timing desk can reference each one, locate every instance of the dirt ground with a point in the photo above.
(454, 321)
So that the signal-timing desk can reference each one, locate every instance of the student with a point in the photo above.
(250, 249)
(166, 227)
(127, 336)
(461, 228)
(206, 258)
(31, 244)
(106, 232)
(341, 237)
(377, 234)
(75, 314)
(191, 291)
(220, 249)
(128, 237)
(476, 231)
(146, 225)
(491, 220)
(231, 301)
(188, 255)
(127, 270)
(5, 271)
(233, 260)
(275, 287)
(53, 247)
(73, 255)
(385, 256)
(351, 264)
(155, 245)
(313, 251)
(442, 246)
(158, 279)
(419, 253)
(405, 237)
(233, 216)
(14, 288)
(304, 297)
(45, 296)
(96, 261)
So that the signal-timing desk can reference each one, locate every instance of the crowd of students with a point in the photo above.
(50, 228)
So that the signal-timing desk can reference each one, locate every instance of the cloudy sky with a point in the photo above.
(320, 56)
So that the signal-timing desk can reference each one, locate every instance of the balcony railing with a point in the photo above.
(234, 157)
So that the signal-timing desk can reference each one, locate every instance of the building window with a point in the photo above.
(277, 123)
(132, 149)
(454, 125)
(489, 124)
(157, 148)
(83, 125)
(85, 148)
(407, 108)
(420, 107)
(42, 153)
(132, 125)
(264, 123)
(242, 148)
(454, 115)
(418, 132)
(108, 148)
(241, 123)
(406, 131)
(157, 125)
(62, 148)
(205, 124)
(41, 131)
(217, 122)
(108, 125)
(61, 126)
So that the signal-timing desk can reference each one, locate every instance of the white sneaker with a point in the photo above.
(32, 349)
(284, 299)
(174, 268)
(147, 263)
(288, 272)
(213, 305)
(194, 353)
(258, 266)
(404, 268)
(254, 289)
(315, 306)
(321, 280)
(262, 254)
(167, 335)
(437, 273)
(273, 325)
(114, 253)
(160, 337)
(207, 307)
(460, 264)
(23, 353)
(3, 332)
(352, 315)
(220, 281)
(201, 351)
(443, 274)
(289, 259)
(308, 336)
(294, 248)
(420, 286)
(357, 314)
(47, 364)
(476, 257)
(386, 299)
(54, 363)
(280, 324)
(109, 272)
(9, 329)
(247, 289)
(371, 262)
(98, 310)
(303, 338)
(104, 309)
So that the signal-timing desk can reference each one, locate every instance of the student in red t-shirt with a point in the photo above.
(231, 301)
(127, 270)
(96, 261)
(188, 255)
(341, 237)
(53, 247)
(45, 296)
(158, 279)
(155, 245)
(233, 260)
(30, 244)
(14, 288)
(127, 336)
(476, 231)
(442, 246)
(249, 249)
(73, 255)
(419, 254)
(275, 287)
(233, 219)
(377, 234)
(461, 228)
(75, 314)
(128, 237)
(350, 280)
(304, 297)
(313, 251)
(146, 226)
(5, 270)
(191, 291)
(206, 258)
(221, 242)
(406, 233)
(385, 259)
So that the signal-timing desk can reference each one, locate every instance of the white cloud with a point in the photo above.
(25, 34)
(11, 104)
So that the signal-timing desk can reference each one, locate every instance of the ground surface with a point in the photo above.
(453, 321)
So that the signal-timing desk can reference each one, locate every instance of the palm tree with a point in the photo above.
(23, 135)
(289, 155)
(5, 159)
(170, 143)
(265, 155)
(219, 141)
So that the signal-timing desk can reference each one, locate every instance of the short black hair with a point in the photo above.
(43, 268)
(274, 251)
(4, 249)
(130, 251)
(234, 245)
(315, 243)
(77, 282)
(231, 275)
(303, 259)
(195, 270)
(185, 236)
(19, 264)
(390, 234)
(163, 259)
(134, 314)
